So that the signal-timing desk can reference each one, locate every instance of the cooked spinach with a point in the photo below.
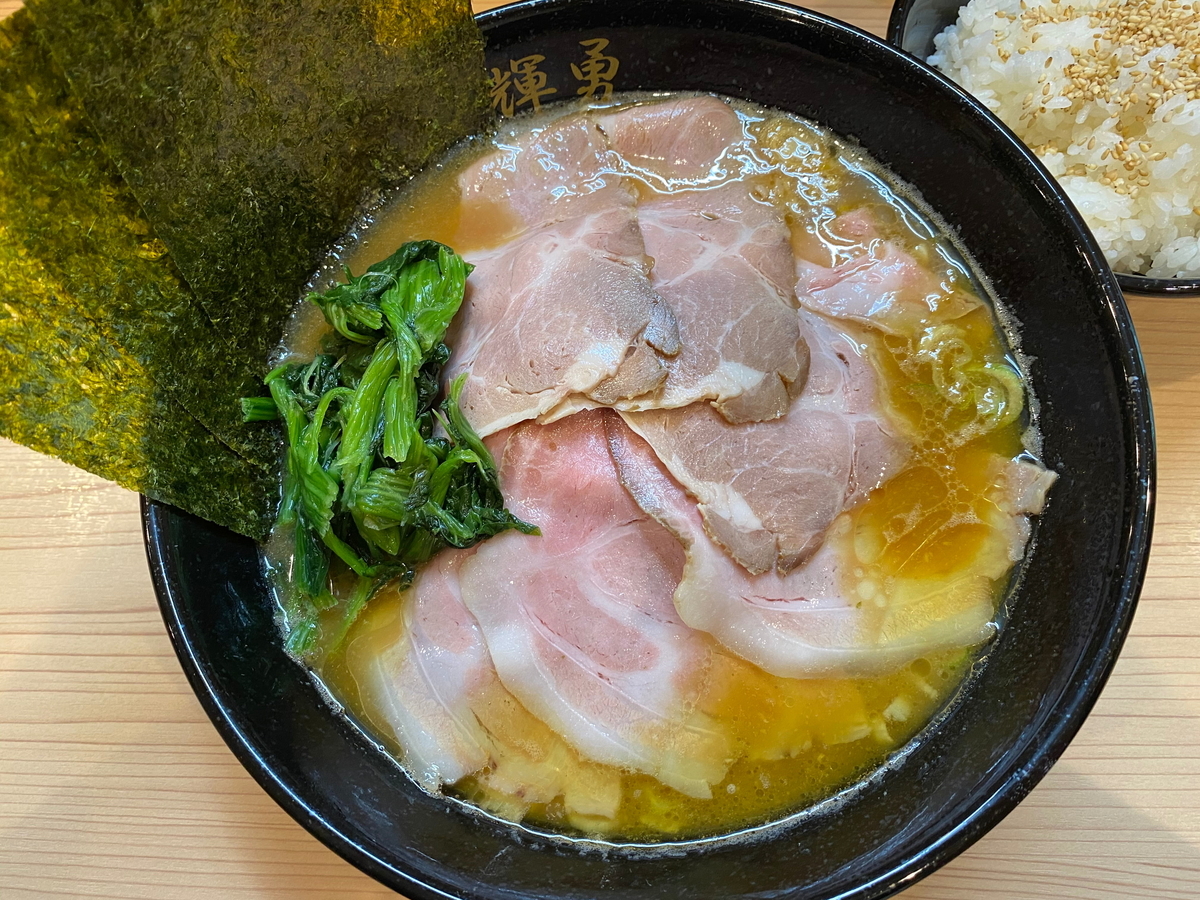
(379, 475)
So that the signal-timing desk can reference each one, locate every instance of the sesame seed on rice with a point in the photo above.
(1107, 93)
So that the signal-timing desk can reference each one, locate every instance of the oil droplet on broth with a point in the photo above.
(796, 741)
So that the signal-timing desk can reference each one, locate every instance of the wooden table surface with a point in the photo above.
(113, 783)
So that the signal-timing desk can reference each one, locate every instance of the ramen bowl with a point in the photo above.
(1069, 607)
(913, 26)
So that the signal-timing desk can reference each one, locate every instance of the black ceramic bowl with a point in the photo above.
(912, 27)
(1069, 614)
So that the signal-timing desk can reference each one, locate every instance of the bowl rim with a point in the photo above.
(1042, 749)
(1135, 284)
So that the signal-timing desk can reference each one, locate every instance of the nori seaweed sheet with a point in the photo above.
(69, 389)
(252, 132)
(68, 394)
(69, 206)
(66, 391)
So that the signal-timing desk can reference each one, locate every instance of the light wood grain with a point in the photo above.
(113, 784)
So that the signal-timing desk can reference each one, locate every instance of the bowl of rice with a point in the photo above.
(1107, 95)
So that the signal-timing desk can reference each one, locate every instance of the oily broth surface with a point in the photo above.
(796, 741)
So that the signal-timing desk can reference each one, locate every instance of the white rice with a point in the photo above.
(1107, 93)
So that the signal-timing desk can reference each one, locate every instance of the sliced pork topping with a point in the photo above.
(870, 288)
(882, 286)
(674, 141)
(718, 260)
(424, 673)
(1022, 485)
(580, 621)
(806, 623)
(722, 261)
(767, 491)
(427, 674)
(562, 307)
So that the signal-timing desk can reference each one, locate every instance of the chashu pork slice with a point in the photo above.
(424, 676)
(813, 622)
(722, 261)
(767, 491)
(566, 306)
(580, 621)
(428, 679)
(675, 142)
(882, 286)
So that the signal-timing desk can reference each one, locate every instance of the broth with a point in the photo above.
(951, 387)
